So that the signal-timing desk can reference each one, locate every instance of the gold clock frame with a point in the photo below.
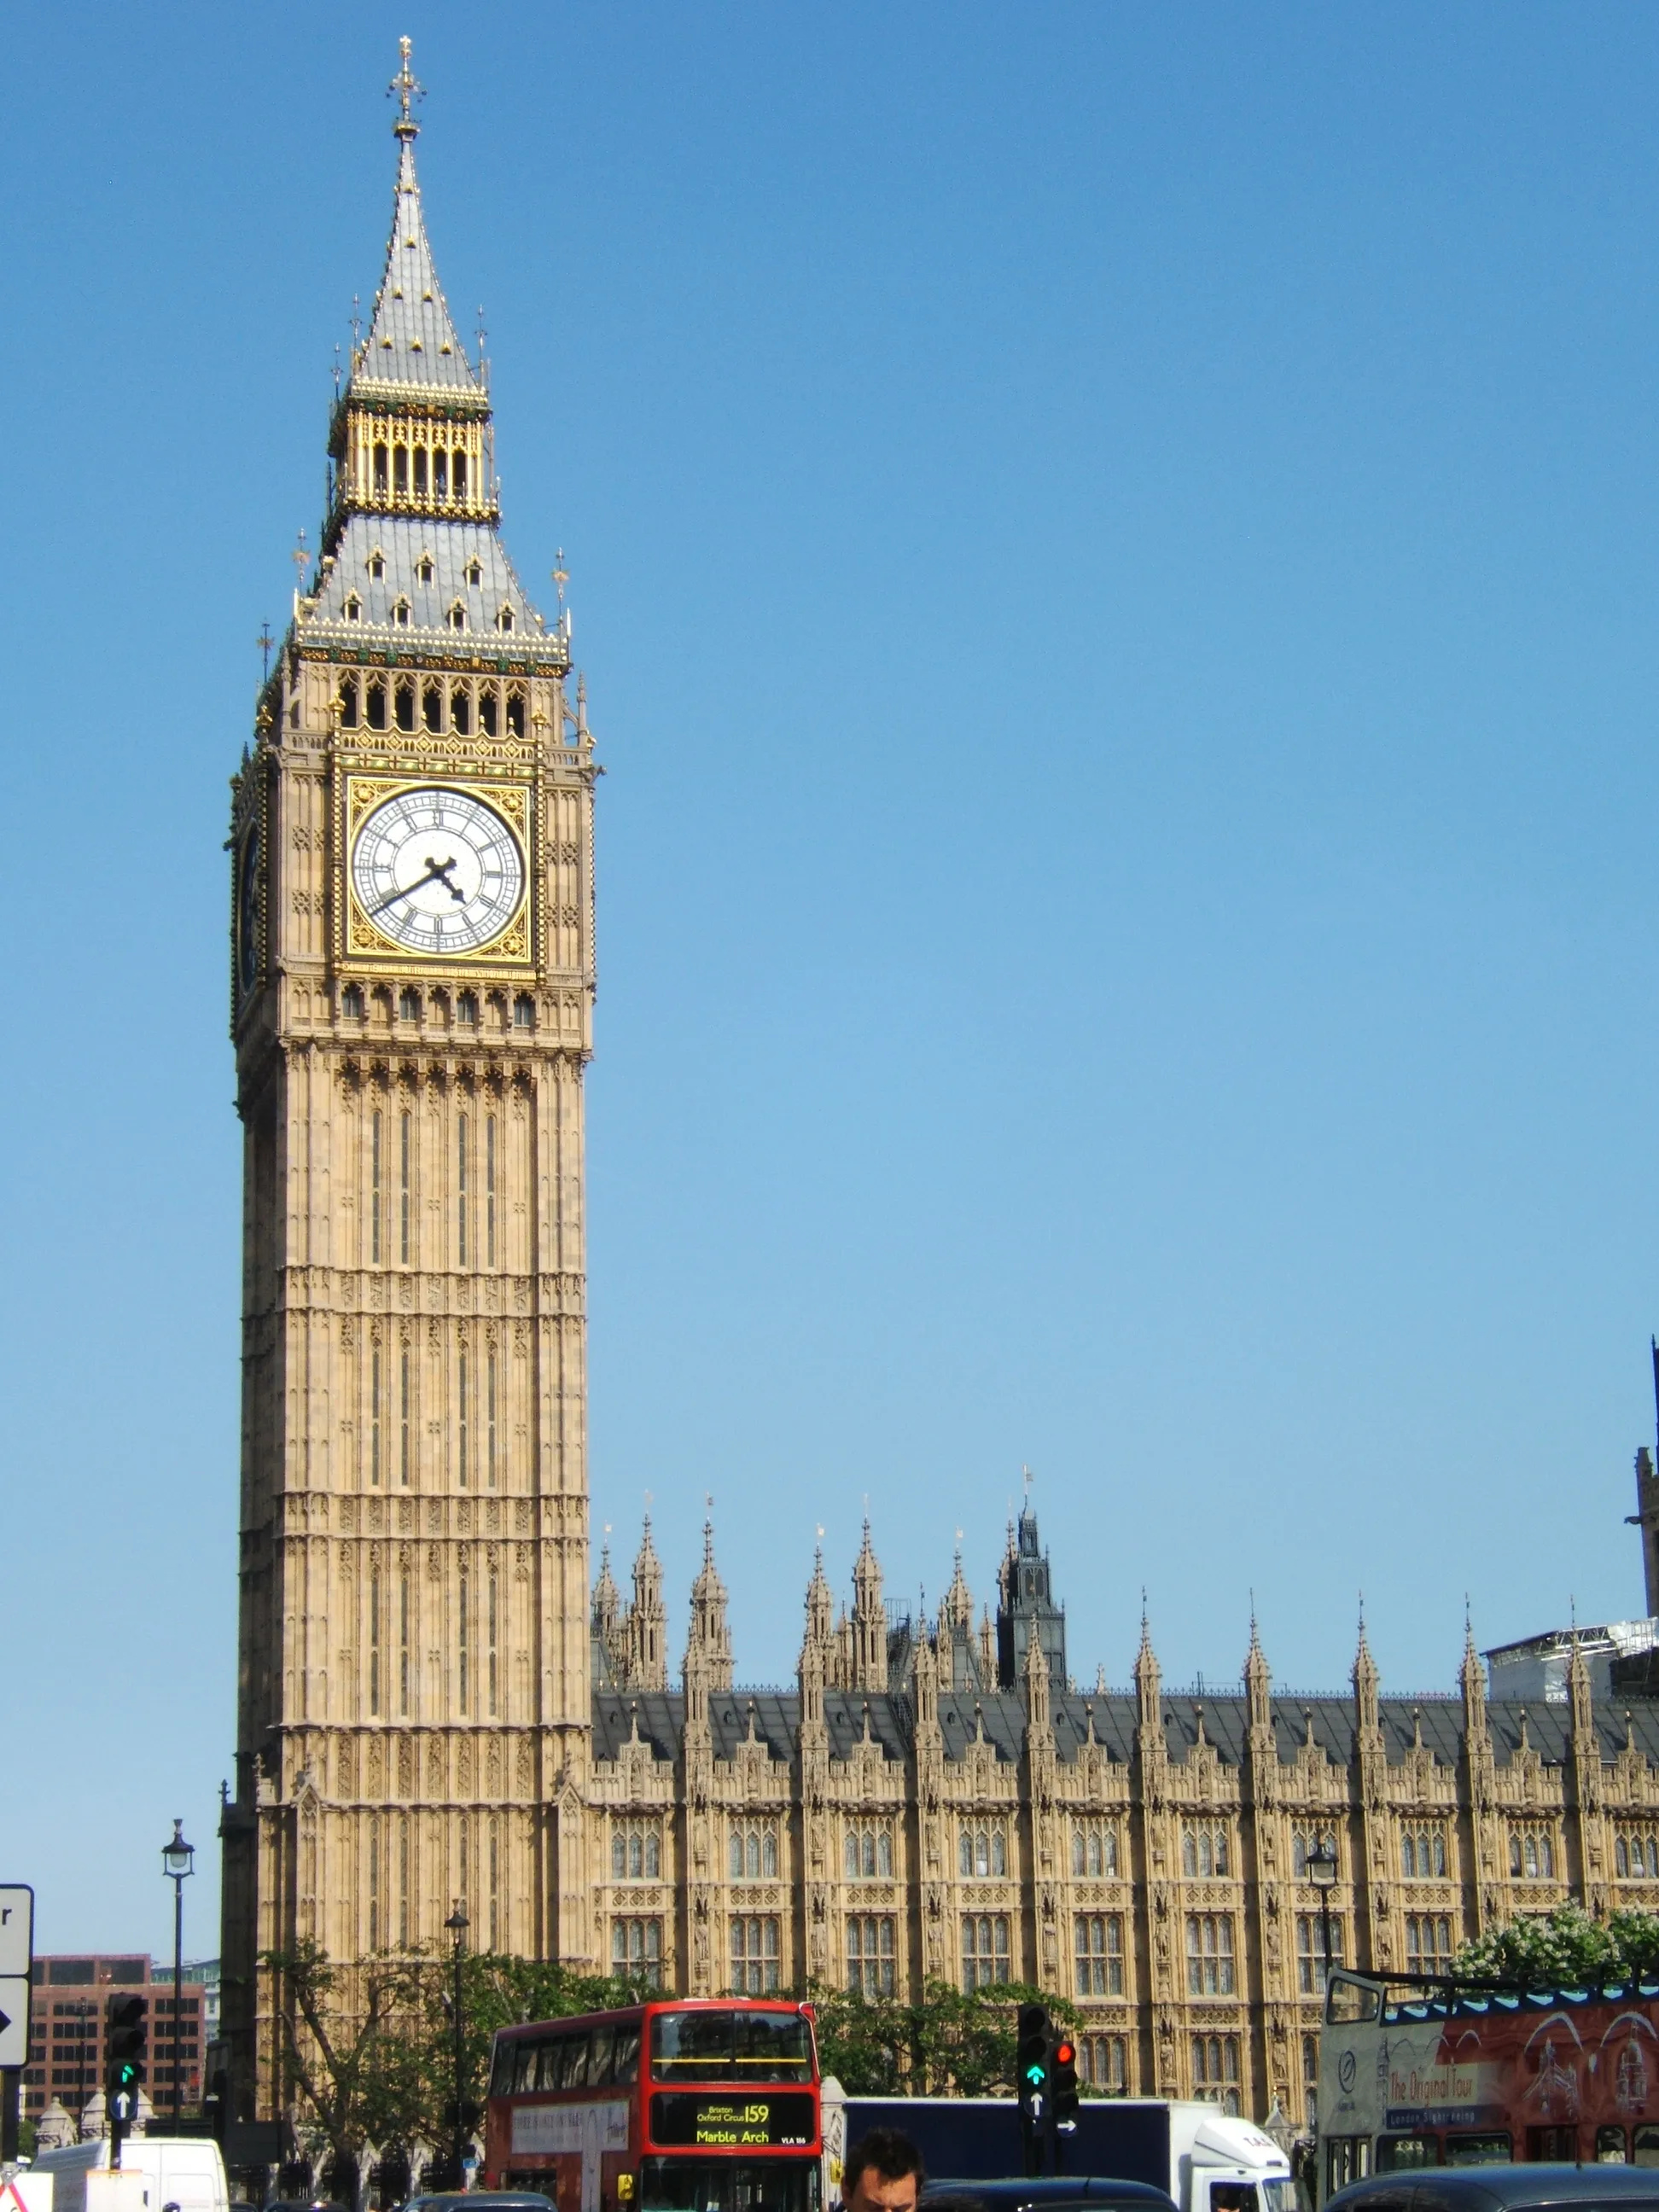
(513, 947)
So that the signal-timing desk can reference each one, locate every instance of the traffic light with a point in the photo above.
(1062, 2079)
(1035, 2070)
(126, 2038)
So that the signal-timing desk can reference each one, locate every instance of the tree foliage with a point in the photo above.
(954, 2042)
(1566, 1948)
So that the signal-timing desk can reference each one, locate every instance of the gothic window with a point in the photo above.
(487, 709)
(403, 1645)
(400, 468)
(636, 1851)
(1094, 1850)
(1099, 1954)
(405, 694)
(440, 473)
(466, 1010)
(504, 623)
(374, 1885)
(349, 691)
(636, 1951)
(374, 1642)
(461, 1191)
(353, 612)
(351, 1002)
(463, 1646)
(461, 706)
(490, 1418)
(1215, 2070)
(374, 1190)
(869, 1854)
(494, 1886)
(432, 707)
(490, 1197)
(419, 485)
(408, 1007)
(456, 614)
(409, 1010)
(424, 569)
(1423, 1854)
(524, 1012)
(1310, 1960)
(475, 571)
(1103, 2063)
(515, 714)
(1209, 1954)
(1204, 1849)
(375, 716)
(460, 475)
(984, 1950)
(754, 1954)
(490, 1647)
(377, 561)
(462, 1381)
(403, 1884)
(870, 1955)
(403, 1417)
(400, 616)
(1635, 1855)
(380, 472)
(1428, 1942)
(752, 1853)
(981, 1852)
(375, 1417)
(1532, 1855)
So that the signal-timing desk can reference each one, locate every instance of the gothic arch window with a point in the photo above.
(400, 468)
(475, 571)
(515, 711)
(1094, 1850)
(1204, 1850)
(432, 707)
(503, 618)
(460, 474)
(400, 616)
(488, 710)
(1532, 1855)
(440, 473)
(752, 1853)
(375, 707)
(377, 558)
(524, 1012)
(409, 1010)
(457, 615)
(405, 694)
(379, 469)
(466, 1010)
(424, 569)
(351, 1002)
(869, 1854)
(1423, 1855)
(636, 1851)
(354, 607)
(348, 694)
(982, 1853)
(460, 705)
(420, 483)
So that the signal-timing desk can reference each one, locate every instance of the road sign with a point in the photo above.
(16, 1929)
(14, 2019)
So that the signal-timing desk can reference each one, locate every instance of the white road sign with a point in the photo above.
(14, 2019)
(16, 1927)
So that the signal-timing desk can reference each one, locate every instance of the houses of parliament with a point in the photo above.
(439, 1700)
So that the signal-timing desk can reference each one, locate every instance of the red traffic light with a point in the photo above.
(1066, 2051)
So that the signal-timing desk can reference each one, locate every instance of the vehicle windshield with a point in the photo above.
(725, 2046)
(1279, 2195)
(728, 2185)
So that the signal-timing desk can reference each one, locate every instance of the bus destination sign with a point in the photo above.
(683, 2120)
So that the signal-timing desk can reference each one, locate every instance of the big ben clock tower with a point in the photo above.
(411, 847)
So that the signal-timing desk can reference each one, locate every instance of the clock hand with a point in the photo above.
(437, 872)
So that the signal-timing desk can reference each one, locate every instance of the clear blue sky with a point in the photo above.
(1114, 550)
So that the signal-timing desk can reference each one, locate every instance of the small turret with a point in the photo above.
(647, 1620)
(869, 1620)
(709, 1641)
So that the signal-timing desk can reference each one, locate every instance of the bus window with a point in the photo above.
(1347, 2158)
(575, 2069)
(625, 2059)
(1396, 2154)
(1609, 2146)
(524, 2070)
(1493, 2148)
(599, 2063)
(1557, 2146)
(1644, 2144)
(712, 2046)
(1348, 2000)
(1233, 2196)
(729, 2184)
(500, 2071)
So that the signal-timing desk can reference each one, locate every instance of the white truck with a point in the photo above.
(1207, 2160)
(156, 2171)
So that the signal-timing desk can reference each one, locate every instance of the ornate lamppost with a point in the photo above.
(457, 1925)
(178, 1864)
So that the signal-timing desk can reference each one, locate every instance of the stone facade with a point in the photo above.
(432, 1704)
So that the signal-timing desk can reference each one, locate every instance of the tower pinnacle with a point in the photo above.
(405, 88)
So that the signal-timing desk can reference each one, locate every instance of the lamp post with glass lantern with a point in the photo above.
(1321, 1873)
(177, 1863)
(457, 1925)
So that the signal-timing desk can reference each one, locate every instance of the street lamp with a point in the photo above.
(457, 1925)
(177, 1863)
(1321, 1873)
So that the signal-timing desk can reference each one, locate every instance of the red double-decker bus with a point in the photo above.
(682, 2105)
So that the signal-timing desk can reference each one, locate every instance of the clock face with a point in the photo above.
(438, 872)
(248, 912)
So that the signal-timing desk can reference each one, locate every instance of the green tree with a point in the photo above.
(347, 2059)
(954, 2042)
(1564, 1949)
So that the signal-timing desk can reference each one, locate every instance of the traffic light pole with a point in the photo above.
(11, 2082)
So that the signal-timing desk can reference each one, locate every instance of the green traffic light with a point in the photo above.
(1034, 2074)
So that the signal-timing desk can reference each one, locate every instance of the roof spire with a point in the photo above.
(405, 88)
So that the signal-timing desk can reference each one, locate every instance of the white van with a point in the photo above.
(183, 2170)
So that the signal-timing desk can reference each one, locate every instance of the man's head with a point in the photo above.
(883, 2174)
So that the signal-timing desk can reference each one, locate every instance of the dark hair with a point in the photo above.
(892, 2155)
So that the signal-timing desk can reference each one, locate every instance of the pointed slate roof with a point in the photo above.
(411, 339)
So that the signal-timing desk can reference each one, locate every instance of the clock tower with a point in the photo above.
(412, 991)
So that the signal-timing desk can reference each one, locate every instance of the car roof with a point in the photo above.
(1487, 2186)
(1006, 2196)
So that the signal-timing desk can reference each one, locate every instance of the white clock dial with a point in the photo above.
(437, 870)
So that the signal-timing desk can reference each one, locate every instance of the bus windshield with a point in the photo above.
(725, 2046)
(729, 2184)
